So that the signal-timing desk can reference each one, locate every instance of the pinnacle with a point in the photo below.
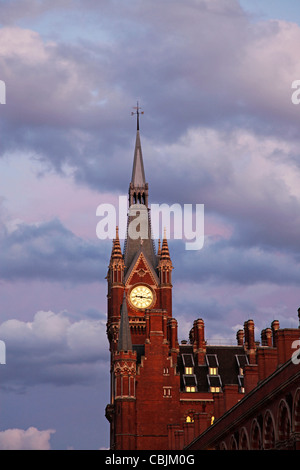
(165, 254)
(116, 250)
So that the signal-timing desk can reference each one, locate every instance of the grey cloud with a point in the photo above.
(48, 251)
(13, 10)
(224, 262)
(52, 349)
(71, 107)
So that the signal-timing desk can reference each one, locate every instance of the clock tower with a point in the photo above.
(139, 300)
(141, 273)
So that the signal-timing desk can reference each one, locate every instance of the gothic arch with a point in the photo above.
(233, 444)
(244, 440)
(296, 411)
(269, 431)
(223, 446)
(255, 436)
(283, 421)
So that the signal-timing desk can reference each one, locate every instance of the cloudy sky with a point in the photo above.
(214, 80)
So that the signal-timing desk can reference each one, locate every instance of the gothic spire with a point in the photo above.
(124, 341)
(116, 249)
(165, 254)
(138, 179)
(138, 195)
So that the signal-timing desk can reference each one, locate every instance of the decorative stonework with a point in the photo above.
(124, 368)
(141, 272)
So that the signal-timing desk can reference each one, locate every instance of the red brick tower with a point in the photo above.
(141, 332)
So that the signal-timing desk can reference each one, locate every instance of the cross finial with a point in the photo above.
(137, 112)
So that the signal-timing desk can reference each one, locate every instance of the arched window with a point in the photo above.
(189, 417)
(284, 421)
(269, 431)
(296, 412)
(255, 436)
(233, 444)
(244, 441)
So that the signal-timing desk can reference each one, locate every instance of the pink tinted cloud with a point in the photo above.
(31, 197)
(29, 439)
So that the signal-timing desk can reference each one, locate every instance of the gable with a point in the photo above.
(141, 270)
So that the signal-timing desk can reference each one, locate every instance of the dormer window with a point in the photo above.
(213, 377)
(190, 383)
(215, 384)
(213, 371)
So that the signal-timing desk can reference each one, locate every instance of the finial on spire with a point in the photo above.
(137, 112)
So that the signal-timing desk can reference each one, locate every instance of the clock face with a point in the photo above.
(141, 297)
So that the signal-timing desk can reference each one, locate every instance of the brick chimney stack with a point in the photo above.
(250, 340)
(266, 337)
(275, 326)
(199, 342)
(240, 337)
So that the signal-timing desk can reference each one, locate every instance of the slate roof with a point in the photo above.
(228, 360)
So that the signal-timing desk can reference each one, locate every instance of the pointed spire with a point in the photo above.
(138, 172)
(124, 341)
(116, 249)
(165, 254)
(138, 194)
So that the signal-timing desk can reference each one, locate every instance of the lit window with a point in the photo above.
(166, 371)
(212, 420)
(189, 419)
(189, 370)
(167, 392)
(213, 371)
(190, 389)
(214, 383)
